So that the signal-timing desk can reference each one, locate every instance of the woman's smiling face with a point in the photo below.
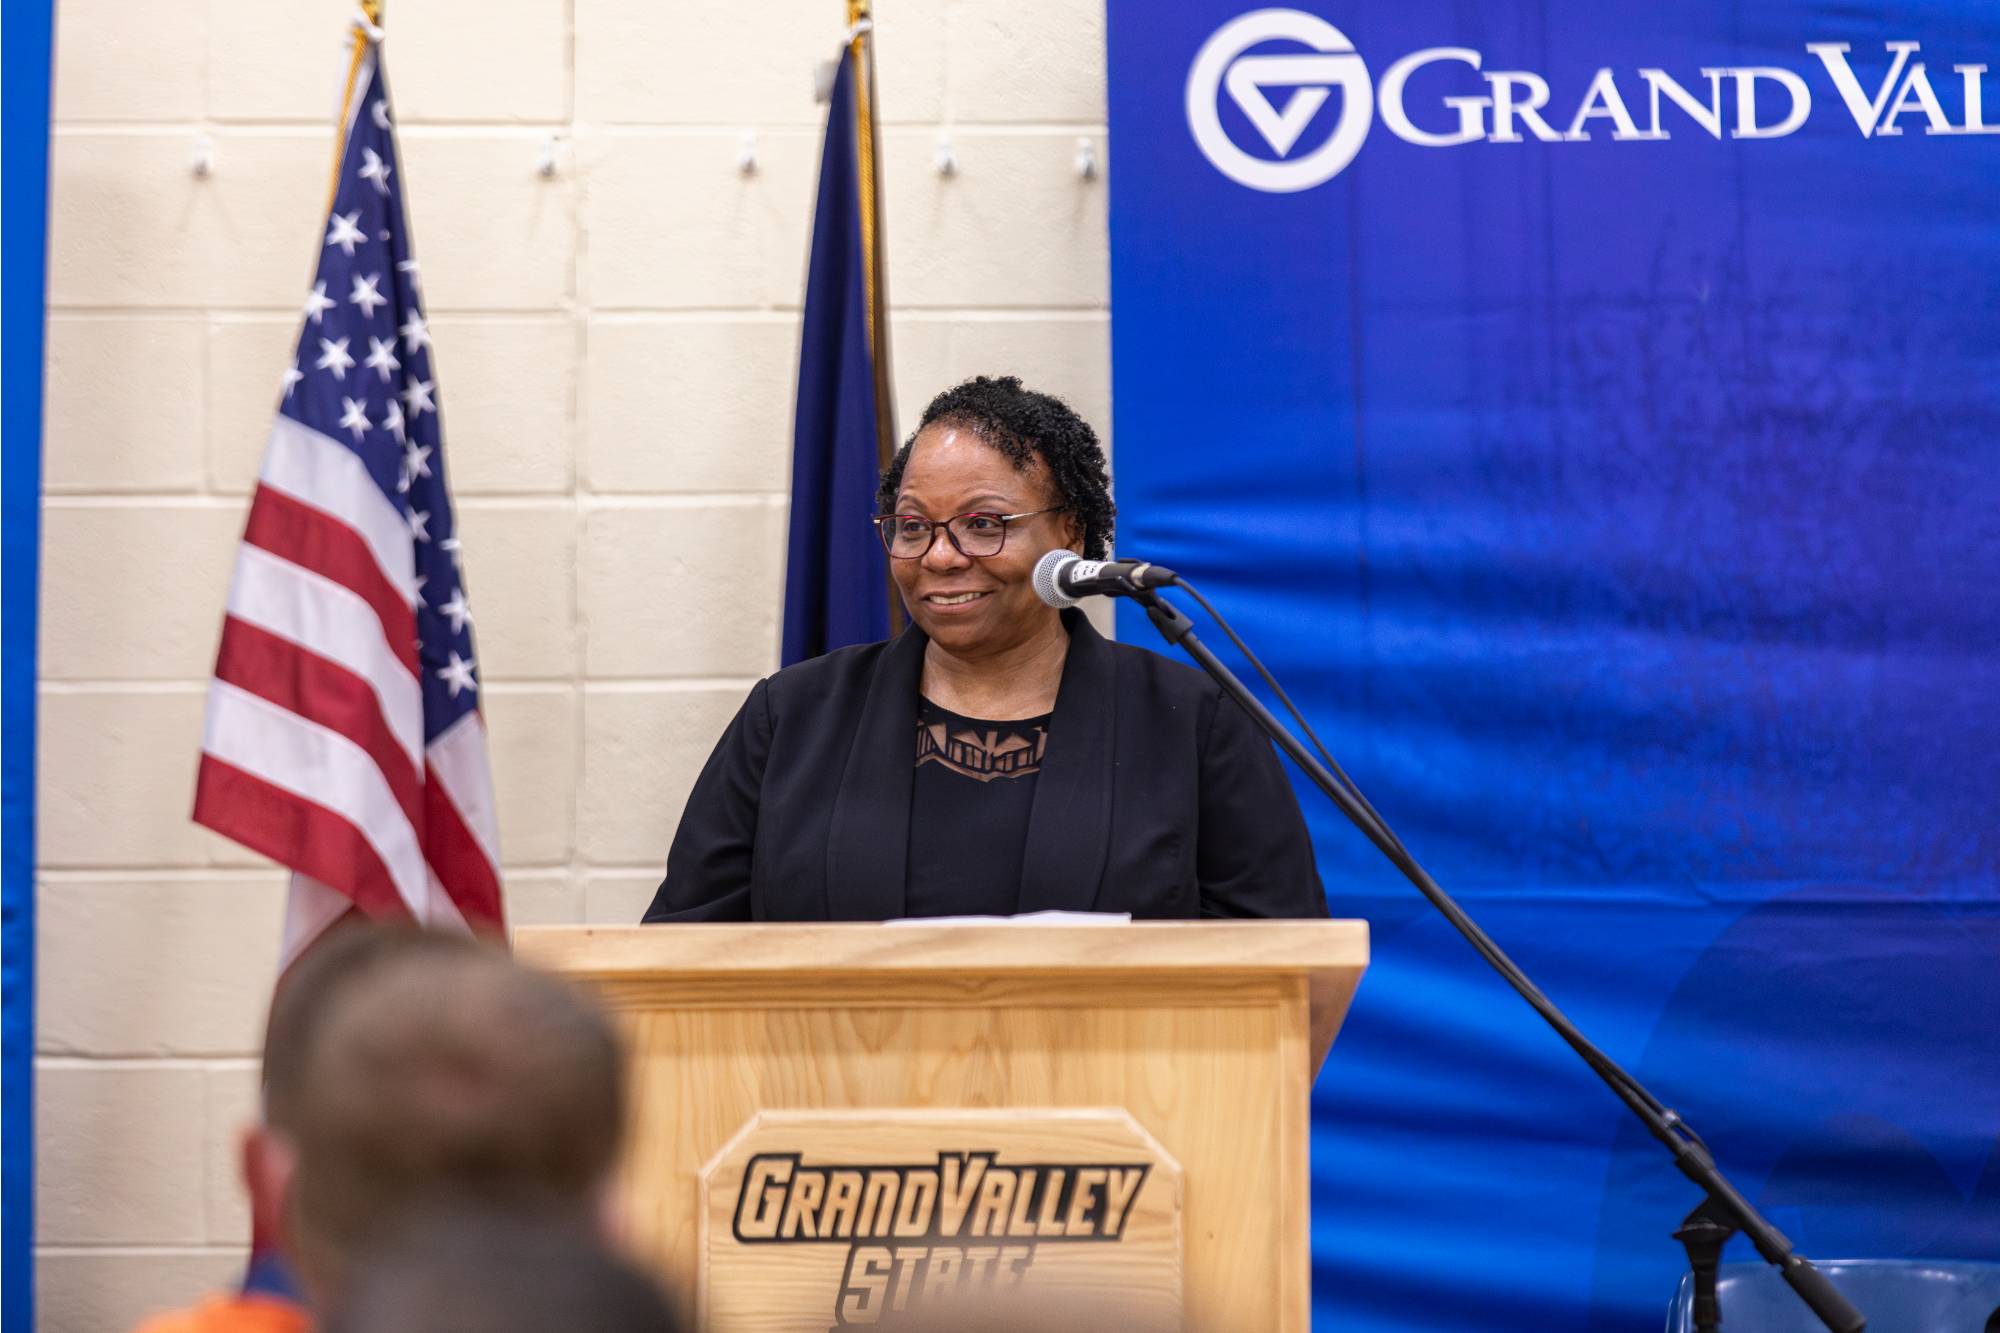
(972, 606)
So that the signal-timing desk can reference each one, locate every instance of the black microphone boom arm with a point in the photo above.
(1723, 1206)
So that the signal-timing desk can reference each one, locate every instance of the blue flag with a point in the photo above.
(836, 576)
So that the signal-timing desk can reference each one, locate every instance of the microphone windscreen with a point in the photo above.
(1048, 584)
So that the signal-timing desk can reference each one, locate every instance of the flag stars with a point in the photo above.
(457, 674)
(354, 417)
(417, 398)
(382, 360)
(416, 333)
(318, 302)
(393, 386)
(365, 294)
(456, 611)
(375, 170)
(345, 232)
(333, 356)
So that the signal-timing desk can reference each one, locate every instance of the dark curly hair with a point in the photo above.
(1023, 425)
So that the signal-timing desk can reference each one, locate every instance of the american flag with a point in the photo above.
(344, 738)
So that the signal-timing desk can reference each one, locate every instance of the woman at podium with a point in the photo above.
(998, 756)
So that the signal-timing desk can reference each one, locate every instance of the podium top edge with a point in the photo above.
(1278, 947)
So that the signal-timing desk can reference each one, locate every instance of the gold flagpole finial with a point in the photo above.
(367, 28)
(367, 21)
(859, 22)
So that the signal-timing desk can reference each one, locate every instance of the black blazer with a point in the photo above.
(1157, 796)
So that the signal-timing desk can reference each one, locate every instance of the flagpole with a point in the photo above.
(874, 255)
(366, 27)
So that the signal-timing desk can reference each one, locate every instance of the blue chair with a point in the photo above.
(1897, 1295)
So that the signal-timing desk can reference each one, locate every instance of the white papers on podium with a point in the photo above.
(1024, 919)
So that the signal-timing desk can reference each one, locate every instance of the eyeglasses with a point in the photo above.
(976, 535)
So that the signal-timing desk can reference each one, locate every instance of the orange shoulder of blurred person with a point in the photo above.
(233, 1313)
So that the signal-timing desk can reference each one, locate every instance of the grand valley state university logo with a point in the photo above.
(967, 1222)
(837, 1219)
(1280, 67)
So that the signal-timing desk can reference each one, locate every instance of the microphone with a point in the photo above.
(1064, 577)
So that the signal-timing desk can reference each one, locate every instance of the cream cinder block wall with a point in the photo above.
(616, 347)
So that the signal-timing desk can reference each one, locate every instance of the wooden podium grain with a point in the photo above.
(1041, 1043)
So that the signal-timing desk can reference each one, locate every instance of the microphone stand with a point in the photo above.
(1723, 1210)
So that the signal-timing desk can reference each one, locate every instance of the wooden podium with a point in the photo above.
(829, 1121)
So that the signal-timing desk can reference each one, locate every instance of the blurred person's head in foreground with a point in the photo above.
(305, 994)
(439, 1068)
(471, 1269)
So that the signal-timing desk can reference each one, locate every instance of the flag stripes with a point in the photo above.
(344, 738)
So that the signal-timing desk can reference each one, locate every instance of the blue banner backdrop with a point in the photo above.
(1591, 414)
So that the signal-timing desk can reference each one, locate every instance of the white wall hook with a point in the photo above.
(545, 160)
(746, 152)
(946, 159)
(204, 156)
(1086, 159)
